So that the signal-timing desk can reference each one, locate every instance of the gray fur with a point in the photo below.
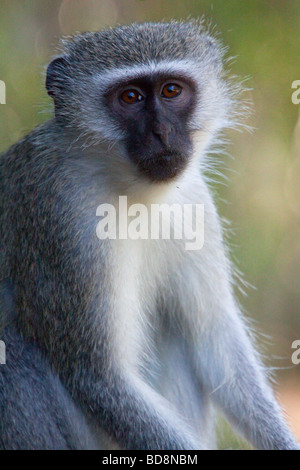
(119, 343)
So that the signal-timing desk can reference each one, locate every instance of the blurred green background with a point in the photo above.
(264, 187)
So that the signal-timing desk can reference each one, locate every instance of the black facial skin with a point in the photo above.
(158, 140)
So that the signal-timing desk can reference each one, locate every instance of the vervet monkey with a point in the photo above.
(121, 343)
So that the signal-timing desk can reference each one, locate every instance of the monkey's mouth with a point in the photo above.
(163, 166)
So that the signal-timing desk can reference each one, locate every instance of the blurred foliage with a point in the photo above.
(228, 440)
(264, 188)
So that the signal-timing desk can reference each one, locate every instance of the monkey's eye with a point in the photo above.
(131, 96)
(171, 90)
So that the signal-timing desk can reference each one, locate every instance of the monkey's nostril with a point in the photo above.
(162, 131)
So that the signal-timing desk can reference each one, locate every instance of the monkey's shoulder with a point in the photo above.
(34, 149)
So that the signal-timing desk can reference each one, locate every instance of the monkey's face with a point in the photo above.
(153, 112)
(147, 98)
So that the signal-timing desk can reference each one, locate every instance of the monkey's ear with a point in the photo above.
(56, 73)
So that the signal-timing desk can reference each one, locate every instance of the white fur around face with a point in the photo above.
(213, 97)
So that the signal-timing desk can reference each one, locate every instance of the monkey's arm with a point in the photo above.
(225, 360)
(228, 366)
(68, 303)
(108, 384)
(85, 312)
(88, 363)
(134, 415)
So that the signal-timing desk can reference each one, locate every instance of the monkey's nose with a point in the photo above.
(162, 131)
